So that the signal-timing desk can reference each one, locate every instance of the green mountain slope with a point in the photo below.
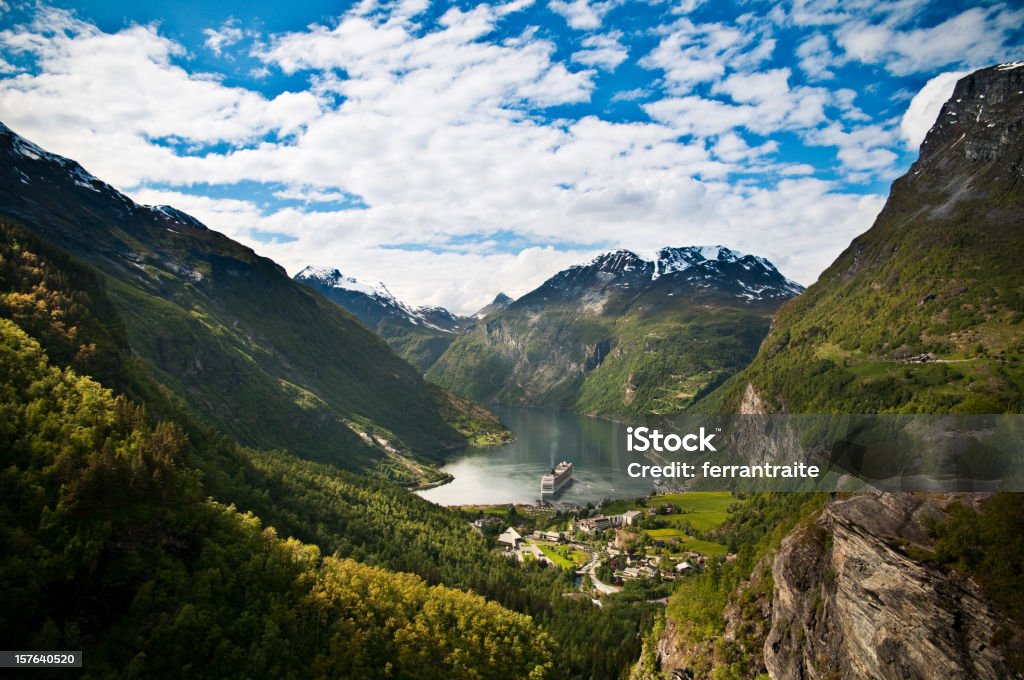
(261, 357)
(939, 273)
(65, 304)
(621, 336)
(109, 545)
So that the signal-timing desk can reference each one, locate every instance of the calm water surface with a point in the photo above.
(511, 473)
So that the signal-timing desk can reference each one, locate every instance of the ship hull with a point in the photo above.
(557, 489)
(558, 479)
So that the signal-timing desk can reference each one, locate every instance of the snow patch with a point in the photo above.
(333, 278)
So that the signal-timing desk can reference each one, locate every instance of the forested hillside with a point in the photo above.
(65, 306)
(245, 348)
(110, 545)
(921, 314)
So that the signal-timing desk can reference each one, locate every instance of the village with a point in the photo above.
(654, 540)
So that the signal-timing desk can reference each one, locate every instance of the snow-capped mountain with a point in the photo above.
(756, 277)
(418, 334)
(621, 334)
(437, 318)
(712, 268)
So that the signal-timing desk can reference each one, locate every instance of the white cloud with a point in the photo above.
(691, 54)
(603, 51)
(924, 107)
(975, 37)
(218, 38)
(864, 151)
(816, 57)
(732, 148)
(113, 93)
(822, 13)
(762, 102)
(582, 14)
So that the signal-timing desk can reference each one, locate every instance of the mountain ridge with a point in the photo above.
(922, 313)
(620, 336)
(935, 278)
(261, 356)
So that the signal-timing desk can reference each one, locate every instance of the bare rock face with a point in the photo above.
(752, 403)
(849, 601)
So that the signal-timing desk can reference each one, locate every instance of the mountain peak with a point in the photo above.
(331, 277)
(979, 120)
(377, 308)
(617, 260)
(680, 259)
(500, 302)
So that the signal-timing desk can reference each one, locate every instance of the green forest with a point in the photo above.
(159, 546)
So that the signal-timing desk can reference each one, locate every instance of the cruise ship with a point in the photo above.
(559, 476)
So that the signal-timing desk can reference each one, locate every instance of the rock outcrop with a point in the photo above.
(851, 602)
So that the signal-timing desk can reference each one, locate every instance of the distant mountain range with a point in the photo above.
(621, 335)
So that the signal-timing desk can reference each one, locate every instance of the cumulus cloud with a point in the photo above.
(863, 149)
(455, 157)
(975, 37)
(690, 53)
(603, 51)
(761, 102)
(924, 107)
(228, 34)
(115, 93)
(582, 14)
(816, 57)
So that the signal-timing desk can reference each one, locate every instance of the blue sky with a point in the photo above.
(457, 150)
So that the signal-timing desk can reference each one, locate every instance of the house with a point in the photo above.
(553, 536)
(510, 539)
(596, 525)
(630, 516)
(683, 567)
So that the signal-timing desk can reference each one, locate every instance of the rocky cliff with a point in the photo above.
(849, 593)
(851, 601)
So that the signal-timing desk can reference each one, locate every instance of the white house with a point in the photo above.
(630, 516)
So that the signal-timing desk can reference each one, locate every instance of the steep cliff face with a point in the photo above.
(850, 602)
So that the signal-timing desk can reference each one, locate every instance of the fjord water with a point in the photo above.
(511, 473)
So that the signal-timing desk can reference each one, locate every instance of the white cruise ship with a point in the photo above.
(559, 476)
